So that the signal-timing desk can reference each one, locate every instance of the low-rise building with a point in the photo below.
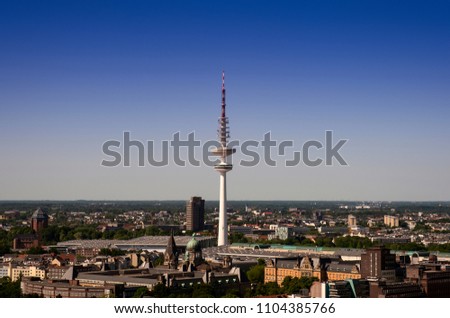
(436, 284)
(17, 272)
(343, 270)
(351, 288)
(383, 289)
(432, 277)
(25, 241)
(277, 270)
(69, 289)
(5, 270)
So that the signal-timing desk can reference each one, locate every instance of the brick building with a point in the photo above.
(378, 263)
(39, 220)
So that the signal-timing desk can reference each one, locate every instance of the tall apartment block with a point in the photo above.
(195, 214)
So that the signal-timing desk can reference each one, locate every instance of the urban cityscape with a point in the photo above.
(276, 249)
(360, 210)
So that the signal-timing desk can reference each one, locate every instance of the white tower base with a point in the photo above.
(223, 226)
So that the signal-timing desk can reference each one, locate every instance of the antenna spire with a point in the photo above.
(223, 94)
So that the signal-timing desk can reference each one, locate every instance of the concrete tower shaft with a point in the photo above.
(223, 152)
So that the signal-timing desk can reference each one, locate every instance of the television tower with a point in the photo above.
(223, 152)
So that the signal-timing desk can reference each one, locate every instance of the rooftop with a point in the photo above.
(144, 242)
(39, 214)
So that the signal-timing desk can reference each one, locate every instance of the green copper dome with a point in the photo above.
(193, 245)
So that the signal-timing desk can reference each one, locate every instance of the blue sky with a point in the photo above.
(74, 74)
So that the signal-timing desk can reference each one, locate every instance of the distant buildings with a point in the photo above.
(39, 220)
(25, 241)
(391, 221)
(177, 272)
(14, 272)
(195, 214)
(351, 220)
(287, 232)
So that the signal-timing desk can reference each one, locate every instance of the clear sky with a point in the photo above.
(74, 74)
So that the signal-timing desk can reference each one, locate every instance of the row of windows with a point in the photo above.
(339, 276)
(64, 292)
(271, 277)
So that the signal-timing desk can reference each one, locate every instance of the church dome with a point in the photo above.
(193, 245)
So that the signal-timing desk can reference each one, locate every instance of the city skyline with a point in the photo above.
(75, 75)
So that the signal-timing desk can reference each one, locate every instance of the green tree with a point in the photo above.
(152, 231)
(160, 291)
(353, 242)
(18, 230)
(261, 262)
(158, 261)
(9, 289)
(238, 238)
(4, 249)
(141, 292)
(293, 285)
(35, 250)
(53, 250)
(422, 227)
(306, 282)
(256, 274)
(203, 291)
(232, 293)
(121, 234)
(272, 288)
(307, 242)
(50, 235)
(324, 241)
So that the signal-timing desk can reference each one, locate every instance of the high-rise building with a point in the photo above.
(195, 214)
(223, 152)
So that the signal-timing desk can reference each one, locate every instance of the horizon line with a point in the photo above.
(237, 200)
